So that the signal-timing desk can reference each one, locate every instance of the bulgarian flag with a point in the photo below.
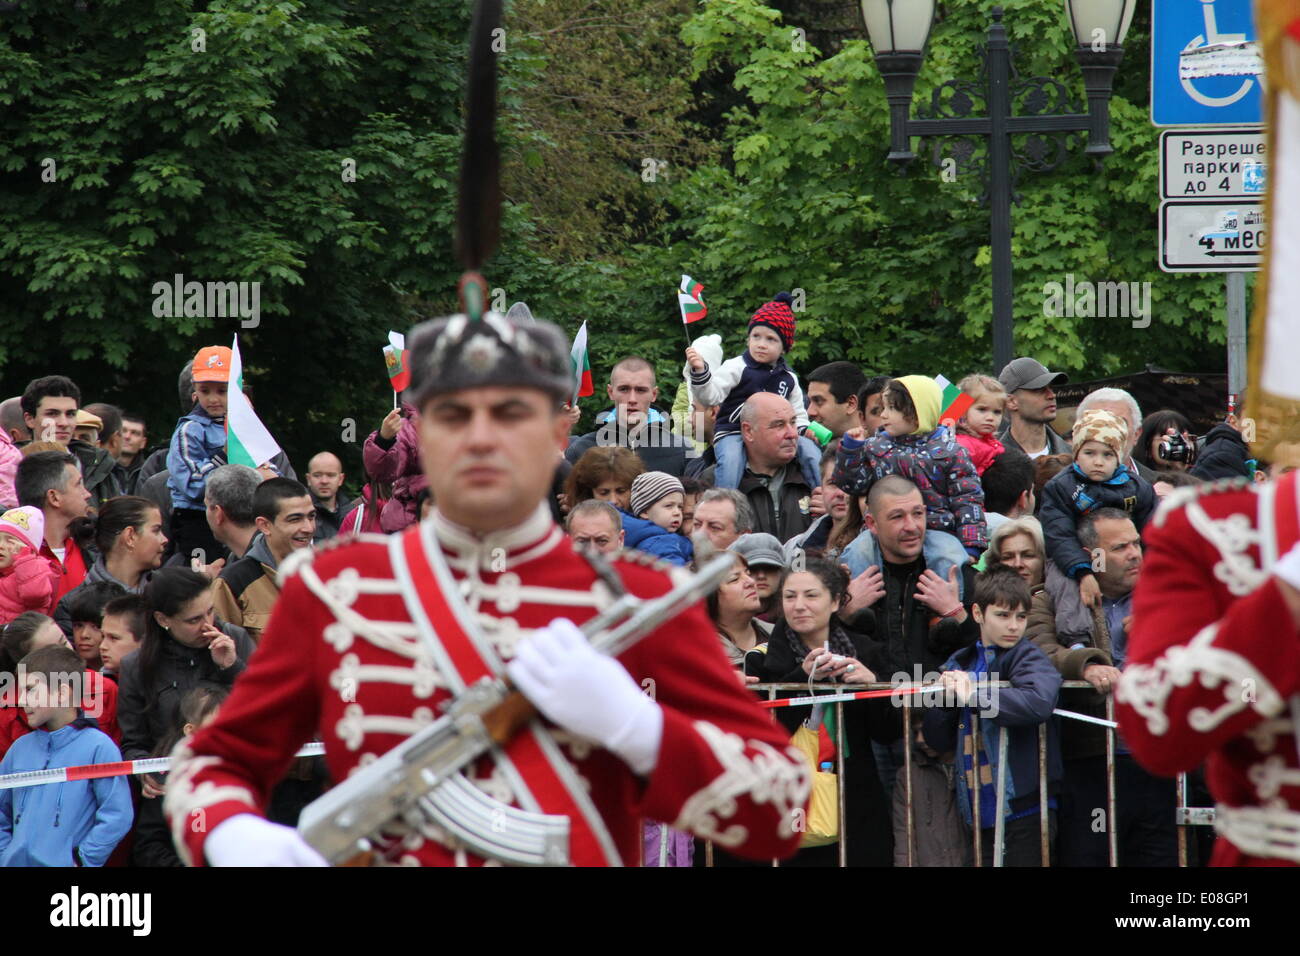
(580, 362)
(954, 401)
(691, 301)
(398, 359)
(247, 440)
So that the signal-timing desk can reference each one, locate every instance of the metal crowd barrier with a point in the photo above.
(1185, 815)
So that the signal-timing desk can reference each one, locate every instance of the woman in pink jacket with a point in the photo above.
(391, 456)
(26, 581)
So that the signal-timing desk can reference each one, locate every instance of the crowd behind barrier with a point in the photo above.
(884, 540)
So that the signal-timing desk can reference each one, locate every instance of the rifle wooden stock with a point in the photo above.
(509, 717)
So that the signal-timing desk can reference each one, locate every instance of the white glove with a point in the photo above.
(249, 840)
(589, 694)
(1287, 567)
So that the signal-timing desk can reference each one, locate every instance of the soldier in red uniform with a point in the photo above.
(367, 645)
(1214, 660)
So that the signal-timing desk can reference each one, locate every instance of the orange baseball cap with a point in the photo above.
(212, 364)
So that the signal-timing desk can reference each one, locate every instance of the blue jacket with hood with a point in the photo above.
(645, 535)
(79, 822)
(198, 447)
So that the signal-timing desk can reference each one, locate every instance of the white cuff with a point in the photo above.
(1288, 567)
(639, 739)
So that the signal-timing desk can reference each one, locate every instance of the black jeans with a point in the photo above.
(1146, 833)
(1023, 842)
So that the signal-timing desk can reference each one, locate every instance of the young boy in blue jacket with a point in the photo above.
(657, 499)
(1001, 608)
(198, 447)
(75, 823)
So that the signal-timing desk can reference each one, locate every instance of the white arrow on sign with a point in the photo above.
(1211, 236)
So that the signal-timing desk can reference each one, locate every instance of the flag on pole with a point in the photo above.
(580, 362)
(247, 440)
(691, 301)
(1272, 421)
(398, 359)
(954, 402)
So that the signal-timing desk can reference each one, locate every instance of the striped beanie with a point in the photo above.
(777, 316)
(649, 486)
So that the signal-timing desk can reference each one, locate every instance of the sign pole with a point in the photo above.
(1236, 294)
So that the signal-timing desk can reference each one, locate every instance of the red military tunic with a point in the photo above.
(341, 657)
(1214, 661)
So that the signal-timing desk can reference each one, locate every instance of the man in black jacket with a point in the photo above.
(907, 595)
(773, 482)
(635, 423)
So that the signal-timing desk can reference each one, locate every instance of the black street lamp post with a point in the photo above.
(899, 30)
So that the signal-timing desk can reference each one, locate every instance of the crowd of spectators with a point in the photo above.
(874, 539)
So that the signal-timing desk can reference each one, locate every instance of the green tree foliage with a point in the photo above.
(144, 139)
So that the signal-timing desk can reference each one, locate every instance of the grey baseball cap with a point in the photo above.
(1029, 373)
(760, 549)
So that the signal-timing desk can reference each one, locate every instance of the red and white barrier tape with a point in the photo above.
(857, 695)
(909, 689)
(123, 768)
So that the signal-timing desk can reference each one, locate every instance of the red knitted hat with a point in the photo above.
(777, 316)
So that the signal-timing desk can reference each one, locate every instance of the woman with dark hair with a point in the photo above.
(364, 517)
(1159, 427)
(733, 609)
(605, 473)
(810, 644)
(131, 543)
(184, 646)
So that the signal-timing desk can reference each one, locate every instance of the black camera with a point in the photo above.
(1176, 448)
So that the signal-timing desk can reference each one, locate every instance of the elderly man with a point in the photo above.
(773, 483)
(721, 516)
(325, 481)
(1031, 408)
(1092, 646)
(228, 501)
(1124, 406)
(635, 423)
(595, 524)
(372, 639)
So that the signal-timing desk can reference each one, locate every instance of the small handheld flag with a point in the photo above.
(398, 360)
(691, 301)
(247, 440)
(955, 403)
(581, 364)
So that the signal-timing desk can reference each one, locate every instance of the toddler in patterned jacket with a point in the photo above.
(913, 444)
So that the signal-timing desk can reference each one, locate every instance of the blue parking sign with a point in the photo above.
(1201, 52)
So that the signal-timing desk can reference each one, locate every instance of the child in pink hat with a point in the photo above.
(26, 581)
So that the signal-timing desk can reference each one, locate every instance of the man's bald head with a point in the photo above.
(325, 477)
(11, 419)
(770, 432)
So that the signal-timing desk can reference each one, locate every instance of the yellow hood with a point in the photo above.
(928, 401)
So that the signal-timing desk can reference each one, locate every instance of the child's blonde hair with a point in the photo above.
(977, 386)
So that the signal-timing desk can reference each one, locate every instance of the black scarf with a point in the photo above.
(837, 641)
